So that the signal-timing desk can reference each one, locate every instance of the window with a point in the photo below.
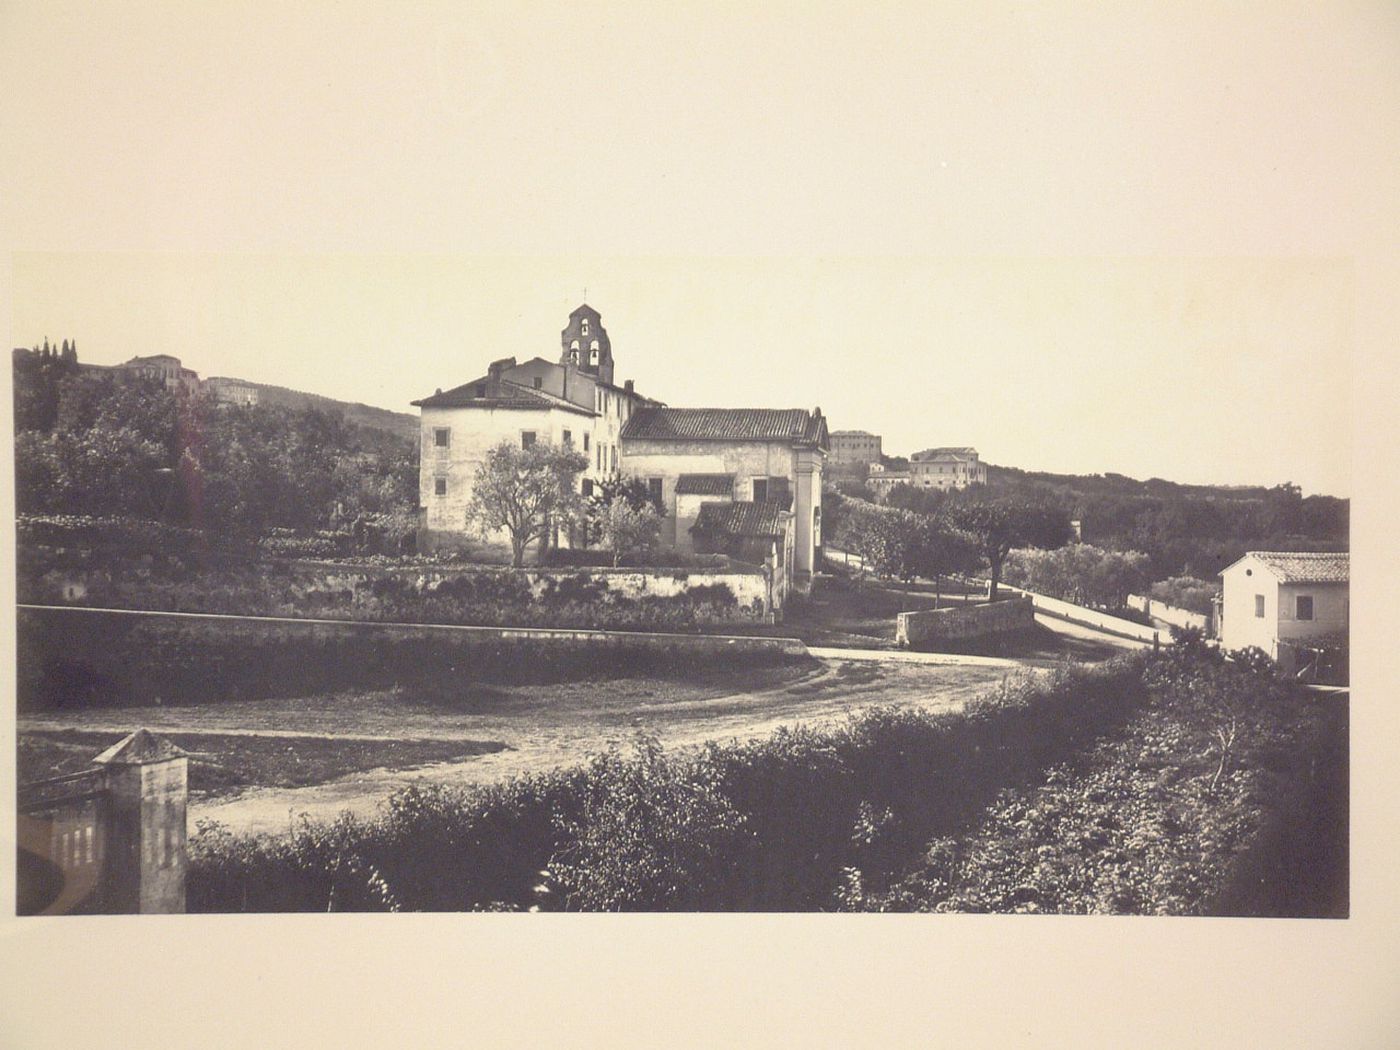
(1305, 607)
(585, 441)
(1259, 606)
(439, 486)
(569, 438)
(654, 490)
(539, 382)
(778, 489)
(585, 326)
(573, 356)
(574, 347)
(442, 436)
(593, 356)
(588, 486)
(614, 459)
(760, 489)
(527, 438)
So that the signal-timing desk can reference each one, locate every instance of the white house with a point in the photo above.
(1279, 601)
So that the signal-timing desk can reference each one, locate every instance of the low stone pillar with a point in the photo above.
(147, 782)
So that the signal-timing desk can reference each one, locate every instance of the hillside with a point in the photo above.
(401, 424)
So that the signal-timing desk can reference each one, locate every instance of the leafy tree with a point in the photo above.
(626, 528)
(524, 491)
(998, 526)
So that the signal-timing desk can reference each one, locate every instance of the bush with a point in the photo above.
(766, 825)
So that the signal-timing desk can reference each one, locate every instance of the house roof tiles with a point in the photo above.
(742, 518)
(705, 485)
(1306, 566)
(797, 425)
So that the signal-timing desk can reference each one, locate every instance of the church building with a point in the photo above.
(766, 463)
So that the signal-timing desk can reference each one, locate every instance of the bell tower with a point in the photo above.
(585, 343)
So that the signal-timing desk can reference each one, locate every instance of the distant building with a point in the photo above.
(1280, 601)
(854, 451)
(165, 369)
(231, 391)
(946, 468)
(881, 479)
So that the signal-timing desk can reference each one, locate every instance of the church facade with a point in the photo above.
(766, 462)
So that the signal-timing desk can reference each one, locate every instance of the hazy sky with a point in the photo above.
(1080, 237)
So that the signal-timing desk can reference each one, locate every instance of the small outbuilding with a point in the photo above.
(1293, 605)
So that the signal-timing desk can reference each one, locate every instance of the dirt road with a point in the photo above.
(541, 727)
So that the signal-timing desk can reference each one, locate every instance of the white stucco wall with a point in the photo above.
(1330, 610)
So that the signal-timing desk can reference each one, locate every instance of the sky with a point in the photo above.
(1082, 238)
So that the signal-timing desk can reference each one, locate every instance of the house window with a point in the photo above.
(539, 382)
(1259, 606)
(585, 441)
(527, 438)
(654, 490)
(588, 486)
(1305, 607)
(439, 486)
(760, 489)
(569, 438)
(614, 459)
(442, 436)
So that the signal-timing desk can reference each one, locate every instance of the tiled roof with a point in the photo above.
(961, 452)
(727, 424)
(705, 485)
(742, 518)
(498, 394)
(1306, 566)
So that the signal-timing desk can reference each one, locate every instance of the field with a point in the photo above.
(256, 760)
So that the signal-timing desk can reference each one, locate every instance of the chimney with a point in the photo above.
(629, 387)
(495, 368)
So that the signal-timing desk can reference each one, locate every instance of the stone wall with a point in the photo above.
(1169, 614)
(964, 623)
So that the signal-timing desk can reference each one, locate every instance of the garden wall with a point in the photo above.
(93, 657)
(1170, 614)
(1087, 617)
(589, 597)
(964, 623)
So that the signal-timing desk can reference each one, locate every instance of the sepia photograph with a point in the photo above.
(868, 493)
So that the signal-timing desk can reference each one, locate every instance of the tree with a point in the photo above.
(524, 491)
(627, 528)
(998, 526)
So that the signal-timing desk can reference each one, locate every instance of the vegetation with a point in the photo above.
(1080, 573)
(1093, 790)
(1186, 592)
(527, 492)
(105, 444)
(1194, 530)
